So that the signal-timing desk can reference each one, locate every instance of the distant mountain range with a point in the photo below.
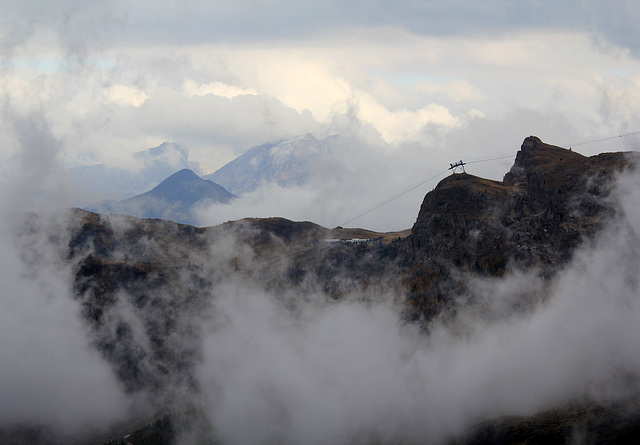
(173, 199)
(289, 162)
(286, 162)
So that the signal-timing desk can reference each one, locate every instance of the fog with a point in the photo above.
(355, 373)
(50, 375)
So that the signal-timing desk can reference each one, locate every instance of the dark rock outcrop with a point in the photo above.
(549, 202)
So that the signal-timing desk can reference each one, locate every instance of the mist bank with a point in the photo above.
(259, 332)
(353, 372)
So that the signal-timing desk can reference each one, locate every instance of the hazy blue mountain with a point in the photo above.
(286, 162)
(149, 168)
(173, 199)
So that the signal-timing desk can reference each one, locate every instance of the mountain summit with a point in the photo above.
(551, 201)
(173, 199)
(285, 162)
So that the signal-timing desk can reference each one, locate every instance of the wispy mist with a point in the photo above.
(355, 373)
(50, 375)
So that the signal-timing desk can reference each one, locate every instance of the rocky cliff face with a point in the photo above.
(140, 287)
(550, 201)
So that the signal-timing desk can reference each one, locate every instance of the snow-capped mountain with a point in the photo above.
(173, 199)
(286, 162)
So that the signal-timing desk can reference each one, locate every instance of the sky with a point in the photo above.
(419, 84)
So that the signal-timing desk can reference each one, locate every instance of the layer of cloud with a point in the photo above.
(51, 375)
(354, 373)
(220, 98)
(125, 95)
(194, 23)
(215, 88)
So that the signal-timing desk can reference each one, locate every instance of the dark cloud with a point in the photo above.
(251, 21)
(82, 26)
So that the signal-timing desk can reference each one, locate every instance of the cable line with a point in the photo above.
(472, 161)
(490, 158)
(404, 192)
(604, 139)
(424, 181)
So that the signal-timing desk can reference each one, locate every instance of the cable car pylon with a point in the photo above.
(458, 165)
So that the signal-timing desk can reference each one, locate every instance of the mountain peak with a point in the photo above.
(186, 186)
(550, 199)
(185, 174)
(167, 151)
(286, 162)
(305, 137)
(549, 162)
(173, 199)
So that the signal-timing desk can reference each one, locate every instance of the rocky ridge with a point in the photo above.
(550, 201)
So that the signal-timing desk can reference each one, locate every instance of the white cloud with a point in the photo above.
(125, 95)
(458, 91)
(222, 96)
(216, 88)
(50, 374)
(402, 125)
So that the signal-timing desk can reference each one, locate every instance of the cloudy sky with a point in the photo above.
(416, 85)
(420, 83)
